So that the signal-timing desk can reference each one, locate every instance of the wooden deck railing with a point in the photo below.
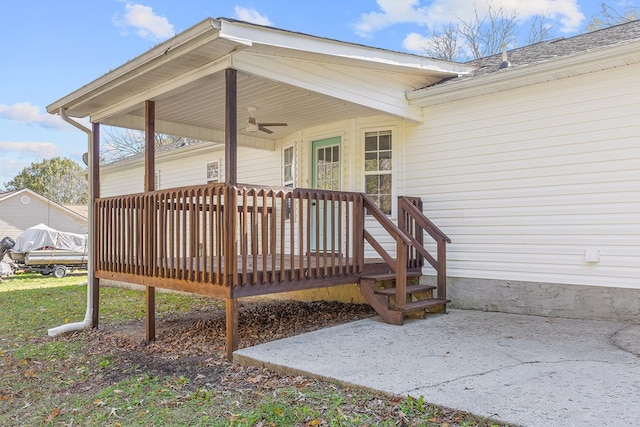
(231, 237)
(410, 250)
(413, 222)
(247, 240)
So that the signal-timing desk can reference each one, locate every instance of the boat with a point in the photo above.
(45, 250)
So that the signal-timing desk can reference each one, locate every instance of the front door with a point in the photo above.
(326, 174)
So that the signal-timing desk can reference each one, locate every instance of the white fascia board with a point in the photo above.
(130, 104)
(180, 44)
(509, 79)
(131, 121)
(259, 35)
(330, 83)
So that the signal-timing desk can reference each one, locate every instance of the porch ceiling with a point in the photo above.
(198, 109)
(294, 78)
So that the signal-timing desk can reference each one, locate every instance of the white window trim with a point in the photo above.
(394, 162)
(294, 165)
(213, 177)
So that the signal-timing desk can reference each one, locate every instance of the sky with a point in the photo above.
(53, 47)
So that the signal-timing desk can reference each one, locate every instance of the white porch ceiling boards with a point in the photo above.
(290, 77)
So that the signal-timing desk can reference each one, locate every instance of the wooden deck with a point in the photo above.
(238, 241)
(258, 275)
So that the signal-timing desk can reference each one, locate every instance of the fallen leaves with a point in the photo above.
(52, 415)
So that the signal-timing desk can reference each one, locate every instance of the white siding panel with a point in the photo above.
(524, 182)
(120, 181)
(15, 217)
(254, 167)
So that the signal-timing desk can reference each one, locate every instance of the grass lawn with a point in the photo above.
(108, 377)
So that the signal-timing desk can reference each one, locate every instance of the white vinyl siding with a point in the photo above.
(526, 181)
(15, 217)
(190, 169)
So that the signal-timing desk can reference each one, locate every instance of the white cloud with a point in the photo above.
(40, 150)
(25, 112)
(415, 42)
(18, 155)
(391, 12)
(252, 15)
(144, 22)
(437, 12)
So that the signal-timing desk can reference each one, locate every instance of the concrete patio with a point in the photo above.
(524, 370)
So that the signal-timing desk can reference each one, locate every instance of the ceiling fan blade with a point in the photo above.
(272, 124)
(264, 129)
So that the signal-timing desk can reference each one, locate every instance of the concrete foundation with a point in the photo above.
(544, 299)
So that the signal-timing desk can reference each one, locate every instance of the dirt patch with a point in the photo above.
(193, 345)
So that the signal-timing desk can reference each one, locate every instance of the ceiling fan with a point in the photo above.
(254, 126)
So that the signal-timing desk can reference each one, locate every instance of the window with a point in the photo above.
(287, 176)
(213, 171)
(287, 167)
(377, 168)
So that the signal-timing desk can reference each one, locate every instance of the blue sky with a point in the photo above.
(54, 47)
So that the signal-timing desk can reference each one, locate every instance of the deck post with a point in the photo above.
(231, 127)
(231, 326)
(231, 179)
(94, 193)
(149, 185)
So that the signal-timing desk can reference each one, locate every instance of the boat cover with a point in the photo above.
(43, 237)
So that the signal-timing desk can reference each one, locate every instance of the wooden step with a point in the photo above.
(389, 276)
(426, 303)
(411, 289)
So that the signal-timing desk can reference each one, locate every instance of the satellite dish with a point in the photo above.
(85, 158)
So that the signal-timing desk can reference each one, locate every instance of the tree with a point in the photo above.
(60, 180)
(444, 44)
(486, 35)
(540, 29)
(480, 36)
(610, 15)
(120, 143)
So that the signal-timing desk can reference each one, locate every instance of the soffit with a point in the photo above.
(185, 78)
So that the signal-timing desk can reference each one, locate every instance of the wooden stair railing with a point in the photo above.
(395, 294)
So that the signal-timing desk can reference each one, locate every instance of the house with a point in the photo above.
(24, 208)
(332, 164)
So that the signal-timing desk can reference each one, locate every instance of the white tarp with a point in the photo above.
(5, 268)
(41, 236)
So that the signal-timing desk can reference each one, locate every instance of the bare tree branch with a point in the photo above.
(541, 29)
(610, 15)
(485, 35)
(444, 44)
(120, 143)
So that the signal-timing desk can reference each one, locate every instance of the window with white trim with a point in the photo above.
(378, 168)
(213, 171)
(288, 172)
(287, 167)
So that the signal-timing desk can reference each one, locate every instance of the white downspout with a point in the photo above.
(69, 327)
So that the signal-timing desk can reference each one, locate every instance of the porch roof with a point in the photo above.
(290, 77)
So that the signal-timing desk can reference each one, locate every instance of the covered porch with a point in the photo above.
(235, 240)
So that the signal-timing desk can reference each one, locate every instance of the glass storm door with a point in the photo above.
(326, 173)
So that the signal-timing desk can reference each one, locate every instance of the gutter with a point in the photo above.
(86, 323)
